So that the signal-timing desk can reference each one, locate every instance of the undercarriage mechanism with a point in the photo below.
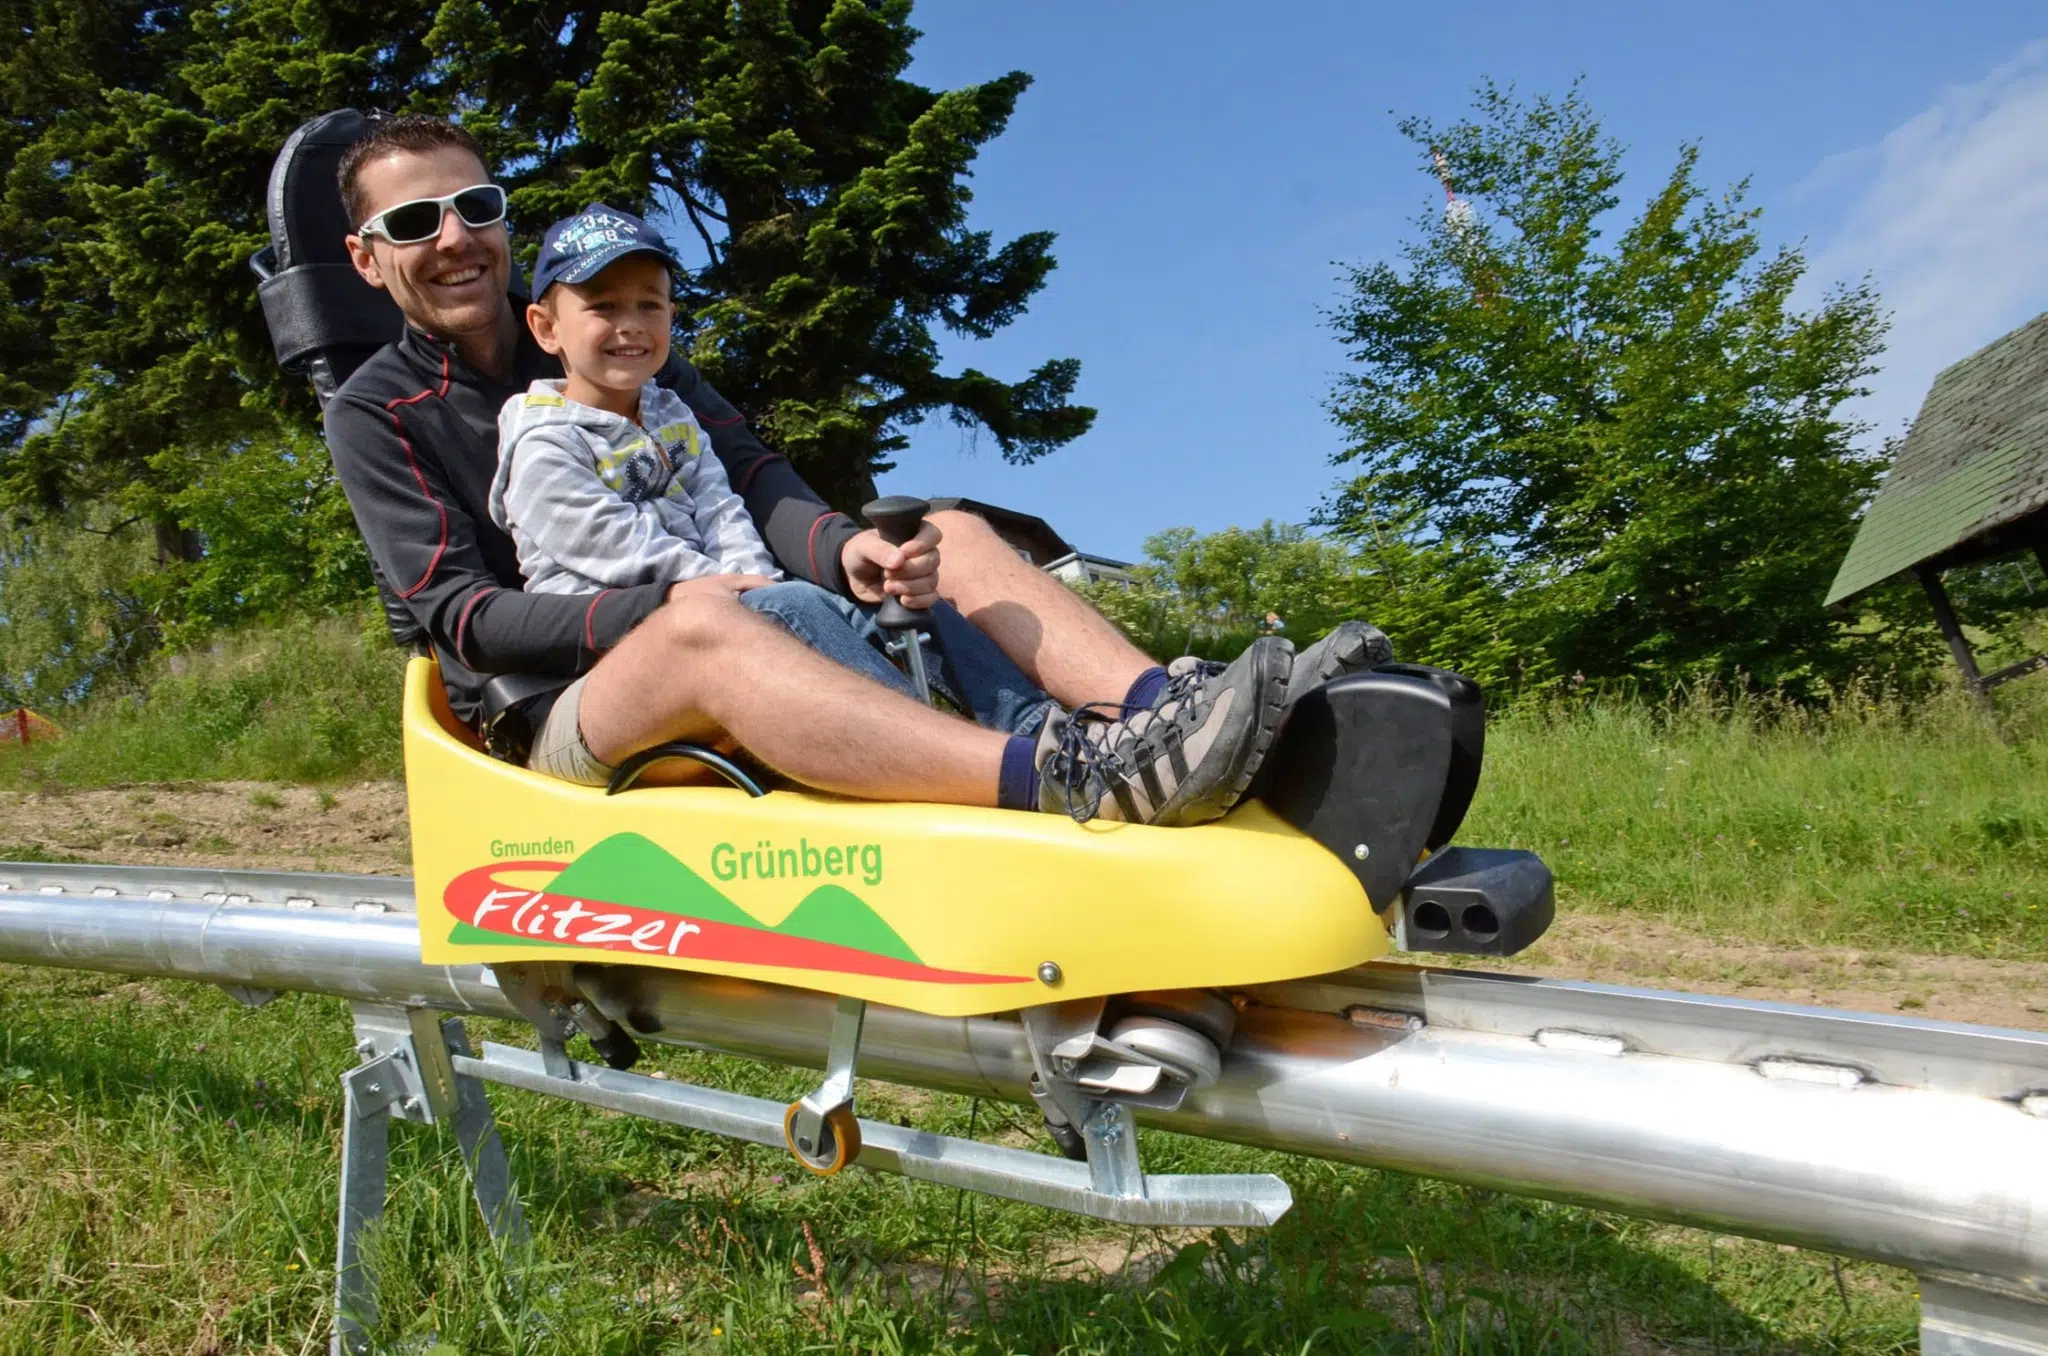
(1095, 1063)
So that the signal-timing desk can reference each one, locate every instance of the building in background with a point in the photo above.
(1033, 538)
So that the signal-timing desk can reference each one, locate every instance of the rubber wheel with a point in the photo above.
(841, 1140)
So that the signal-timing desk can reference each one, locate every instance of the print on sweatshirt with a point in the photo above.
(595, 501)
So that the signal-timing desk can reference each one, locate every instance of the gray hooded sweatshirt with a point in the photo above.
(596, 501)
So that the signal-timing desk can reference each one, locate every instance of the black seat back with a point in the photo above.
(325, 321)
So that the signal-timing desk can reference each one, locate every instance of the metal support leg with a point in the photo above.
(365, 1148)
(490, 1172)
(408, 1072)
(1976, 1316)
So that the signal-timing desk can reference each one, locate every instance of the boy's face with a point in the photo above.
(612, 331)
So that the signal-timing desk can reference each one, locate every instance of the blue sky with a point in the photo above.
(1210, 168)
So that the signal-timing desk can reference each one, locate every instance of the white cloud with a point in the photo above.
(1952, 224)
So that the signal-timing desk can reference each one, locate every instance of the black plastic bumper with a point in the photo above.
(1477, 902)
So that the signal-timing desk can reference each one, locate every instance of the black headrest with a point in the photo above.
(324, 319)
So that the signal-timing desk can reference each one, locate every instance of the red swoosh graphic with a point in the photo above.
(476, 897)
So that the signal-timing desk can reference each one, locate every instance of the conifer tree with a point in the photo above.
(823, 190)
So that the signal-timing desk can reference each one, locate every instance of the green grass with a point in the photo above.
(305, 702)
(1921, 826)
(171, 1164)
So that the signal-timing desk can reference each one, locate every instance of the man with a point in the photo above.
(413, 435)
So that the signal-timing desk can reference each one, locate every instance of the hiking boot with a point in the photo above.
(1353, 646)
(1186, 760)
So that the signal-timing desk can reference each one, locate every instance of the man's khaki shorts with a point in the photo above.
(558, 747)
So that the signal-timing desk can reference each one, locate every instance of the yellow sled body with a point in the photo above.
(937, 908)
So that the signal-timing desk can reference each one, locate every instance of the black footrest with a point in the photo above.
(1477, 902)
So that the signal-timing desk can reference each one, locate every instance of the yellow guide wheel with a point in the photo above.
(838, 1140)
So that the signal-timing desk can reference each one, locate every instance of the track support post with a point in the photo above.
(408, 1072)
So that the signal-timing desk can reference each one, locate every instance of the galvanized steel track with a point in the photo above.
(1917, 1143)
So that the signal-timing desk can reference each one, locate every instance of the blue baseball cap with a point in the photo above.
(577, 249)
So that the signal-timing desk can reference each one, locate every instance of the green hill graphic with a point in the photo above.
(627, 868)
(630, 869)
(833, 914)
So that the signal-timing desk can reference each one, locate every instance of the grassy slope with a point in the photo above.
(172, 1158)
(300, 703)
(1914, 828)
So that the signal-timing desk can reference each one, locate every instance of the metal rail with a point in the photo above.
(1916, 1143)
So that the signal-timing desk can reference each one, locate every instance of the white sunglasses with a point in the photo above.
(409, 223)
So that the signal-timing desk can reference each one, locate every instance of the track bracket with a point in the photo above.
(408, 1073)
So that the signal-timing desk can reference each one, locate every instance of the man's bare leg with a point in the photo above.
(705, 666)
(1065, 646)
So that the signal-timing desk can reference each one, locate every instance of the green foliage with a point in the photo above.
(827, 191)
(1644, 436)
(1209, 595)
(280, 540)
(828, 195)
(71, 618)
(299, 702)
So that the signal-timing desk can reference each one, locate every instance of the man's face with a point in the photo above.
(612, 331)
(453, 284)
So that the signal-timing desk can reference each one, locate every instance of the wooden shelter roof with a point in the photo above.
(1971, 478)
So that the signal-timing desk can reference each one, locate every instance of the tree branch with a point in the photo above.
(691, 209)
(706, 209)
(710, 246)
(121, 526)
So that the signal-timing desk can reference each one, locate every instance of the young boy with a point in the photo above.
(605, 480)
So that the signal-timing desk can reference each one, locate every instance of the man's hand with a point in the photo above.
(717, 585)
(876, 570)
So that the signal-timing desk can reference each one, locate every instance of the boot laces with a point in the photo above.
(1091, 757)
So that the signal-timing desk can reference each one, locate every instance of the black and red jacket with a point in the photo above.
(414, 439)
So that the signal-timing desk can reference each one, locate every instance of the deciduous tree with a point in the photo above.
(1633, 416)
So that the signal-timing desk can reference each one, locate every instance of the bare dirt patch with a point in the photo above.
(362, 828)
(1612, 949)
(359, 828)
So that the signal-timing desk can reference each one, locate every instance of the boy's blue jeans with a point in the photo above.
(963, 664)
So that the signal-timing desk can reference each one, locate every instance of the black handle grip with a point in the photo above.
(897, 517)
